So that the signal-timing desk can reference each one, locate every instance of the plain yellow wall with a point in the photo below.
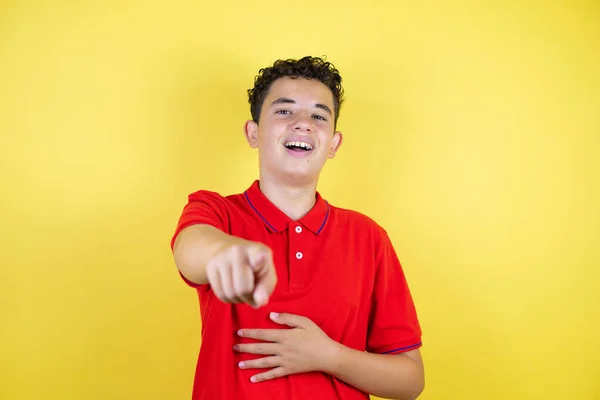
(471, 134)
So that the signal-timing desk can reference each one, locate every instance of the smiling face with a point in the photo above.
(295, 135)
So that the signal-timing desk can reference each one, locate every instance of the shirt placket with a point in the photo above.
(297, 255)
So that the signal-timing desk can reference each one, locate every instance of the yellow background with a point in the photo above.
(471, 134)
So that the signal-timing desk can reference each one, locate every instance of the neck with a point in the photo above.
(294, 200)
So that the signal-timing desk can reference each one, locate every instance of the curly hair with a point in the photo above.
(306, 67)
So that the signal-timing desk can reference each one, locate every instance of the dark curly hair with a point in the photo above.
(306, 67)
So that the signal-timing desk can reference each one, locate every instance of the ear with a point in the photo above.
(336, 142)
(251, 133)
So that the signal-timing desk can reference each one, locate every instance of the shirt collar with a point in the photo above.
(276, 220)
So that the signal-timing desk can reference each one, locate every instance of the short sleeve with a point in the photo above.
(203, 207)
(393, 326)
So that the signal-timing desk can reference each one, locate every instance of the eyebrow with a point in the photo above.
(285, 100)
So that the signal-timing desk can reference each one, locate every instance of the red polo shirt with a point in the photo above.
(334, 266)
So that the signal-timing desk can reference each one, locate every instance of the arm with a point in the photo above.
(193, 249)
(306, 348)
(391, 376)
(238, 270)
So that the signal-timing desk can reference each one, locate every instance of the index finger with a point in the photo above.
(266, 280)
(243, 282)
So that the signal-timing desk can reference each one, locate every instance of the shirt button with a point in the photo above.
(298, 229)
(298, 255)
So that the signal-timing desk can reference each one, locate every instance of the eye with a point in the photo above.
(285, 112)
(319, 117)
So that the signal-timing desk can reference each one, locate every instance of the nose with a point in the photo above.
(303, 123)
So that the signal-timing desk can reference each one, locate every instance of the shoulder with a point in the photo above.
(214, 197)
(202, 194)
(359, 222)
(212, 202)
(355, 217)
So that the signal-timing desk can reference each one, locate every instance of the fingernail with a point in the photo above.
(241, 364)
(236, 347)
(240, 333)
(259, 298)
(274, 315)
(253, 379)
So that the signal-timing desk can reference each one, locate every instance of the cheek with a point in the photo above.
(268, 144)
(271, 130)
(326, 140)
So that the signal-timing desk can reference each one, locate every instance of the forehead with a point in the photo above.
(300, 90)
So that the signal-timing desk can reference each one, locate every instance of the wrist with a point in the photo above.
(334, 358)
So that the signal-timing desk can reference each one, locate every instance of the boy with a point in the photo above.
(299, 299)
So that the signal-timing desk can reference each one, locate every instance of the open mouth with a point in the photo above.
(299, 146)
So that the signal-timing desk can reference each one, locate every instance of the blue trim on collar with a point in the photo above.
(325, 219)
(259, 214)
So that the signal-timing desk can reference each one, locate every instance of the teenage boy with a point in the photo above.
(299, 299)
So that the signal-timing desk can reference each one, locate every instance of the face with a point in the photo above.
(295, 135)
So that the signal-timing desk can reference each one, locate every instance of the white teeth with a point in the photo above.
(304, 145)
